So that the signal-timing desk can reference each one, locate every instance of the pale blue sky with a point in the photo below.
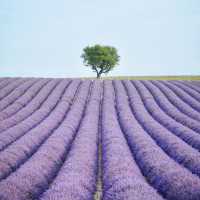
(45, 38)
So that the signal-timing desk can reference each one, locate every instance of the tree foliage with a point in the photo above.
(101, 59)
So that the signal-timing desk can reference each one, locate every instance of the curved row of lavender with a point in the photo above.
(77, 177)
(185, 95)
(170, 143)
(37, 135)
(167, 114)
(52, 131)
(176, 100)
(7, 137)
(192, 84)
(5, 81)
(122, 178)
(22, 100)
(41, 168)
(170, 109)
(164, 173)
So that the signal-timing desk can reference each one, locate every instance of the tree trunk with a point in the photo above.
(98, 75)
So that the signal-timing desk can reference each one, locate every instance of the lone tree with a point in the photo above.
(101, 59)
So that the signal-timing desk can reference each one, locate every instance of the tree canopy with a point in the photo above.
(101, 59)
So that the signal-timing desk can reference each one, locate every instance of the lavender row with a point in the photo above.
(172, 180)
(23, 100)
(2, 80)
(17, 153)
(76, 179)
(158, 106)
(122, 178)
(170, 109)
(12, 134)
(10, 87)
(35, 175)
(184, 96)
(15, 94)
(170, 143)
(191, 84)
(190, 91)
(5, 81)
(177, 101)
(35, 104)
(196, 84)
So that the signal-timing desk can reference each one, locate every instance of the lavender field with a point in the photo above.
(71, 139)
